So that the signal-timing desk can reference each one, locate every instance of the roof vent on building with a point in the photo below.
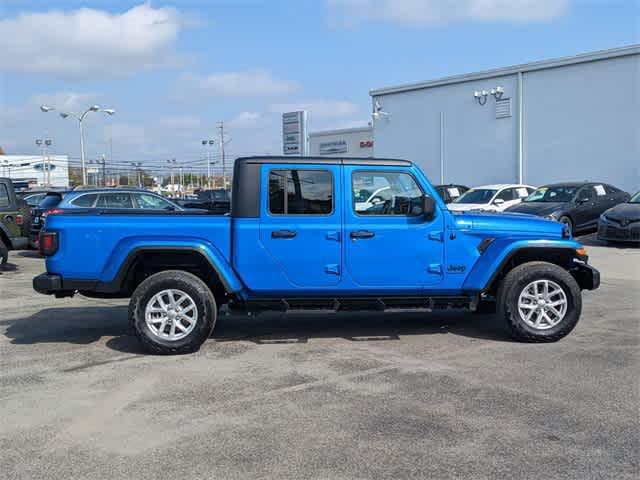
(503, 108)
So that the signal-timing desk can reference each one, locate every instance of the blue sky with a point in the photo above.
(172, 70)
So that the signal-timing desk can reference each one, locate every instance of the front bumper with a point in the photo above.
(616, 232)
(588, 277)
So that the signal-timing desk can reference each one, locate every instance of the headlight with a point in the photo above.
(553, 216)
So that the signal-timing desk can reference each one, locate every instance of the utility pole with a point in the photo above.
(222, 141)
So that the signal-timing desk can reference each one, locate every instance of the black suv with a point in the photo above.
(14, 220)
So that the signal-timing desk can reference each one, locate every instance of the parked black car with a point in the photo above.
(216, 201)
(578, 204)
(450, 192)
(622, 222)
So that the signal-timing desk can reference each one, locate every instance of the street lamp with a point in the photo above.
(44, 145)
(80, 118)
(210, 143)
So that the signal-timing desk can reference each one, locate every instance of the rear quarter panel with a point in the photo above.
(93, 247)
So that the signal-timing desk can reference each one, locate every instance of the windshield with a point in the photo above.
(50, 201)
(635, 198)
(481, 195)
(560, 193)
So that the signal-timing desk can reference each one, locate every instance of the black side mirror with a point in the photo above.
(428, 207)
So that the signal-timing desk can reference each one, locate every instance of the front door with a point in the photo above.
(388, 242)
(300, 225)
(586, 211)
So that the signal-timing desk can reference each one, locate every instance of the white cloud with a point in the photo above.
(65, 101)
(419, 13)
(86, 41)
(321, 109)
(253, 83)
(248, 120)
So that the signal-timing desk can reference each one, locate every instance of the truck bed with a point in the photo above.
(115, 234)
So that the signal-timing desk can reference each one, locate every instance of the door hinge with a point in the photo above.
(435, 268)
(333, 236)
(332, 268)
(437, 235)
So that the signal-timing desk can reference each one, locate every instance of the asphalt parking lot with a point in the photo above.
(350, 396)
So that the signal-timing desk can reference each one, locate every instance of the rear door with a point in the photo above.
(300, 225)
(389, 245)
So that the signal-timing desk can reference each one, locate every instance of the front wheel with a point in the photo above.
(172, 312)
(566, 221)
(540, 302)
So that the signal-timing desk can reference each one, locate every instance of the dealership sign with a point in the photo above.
(294, 133)
(336, 146)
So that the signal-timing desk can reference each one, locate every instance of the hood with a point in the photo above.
(465, 207)
(509, 222)
(624, 211)
(540, 209)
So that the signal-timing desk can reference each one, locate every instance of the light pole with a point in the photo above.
(172, 164)
(208, 143)
(44, 144)
(139, 177)
(80, 118)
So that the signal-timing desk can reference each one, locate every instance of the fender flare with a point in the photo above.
(220, 266)
(494, 259)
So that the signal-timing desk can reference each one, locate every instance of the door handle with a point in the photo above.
(283, 234)
(362, 234)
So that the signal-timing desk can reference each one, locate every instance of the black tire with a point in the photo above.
(568, 222)
(516, 281)
(205, 305)
(4, 253)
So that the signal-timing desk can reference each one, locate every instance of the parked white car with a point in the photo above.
(491, 198)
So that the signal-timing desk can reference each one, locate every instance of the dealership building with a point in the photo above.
(572, 118)
(346, 142)
(33, 170)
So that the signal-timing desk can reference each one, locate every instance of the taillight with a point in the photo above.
(48, 243)
(53, 211)
(19, 220)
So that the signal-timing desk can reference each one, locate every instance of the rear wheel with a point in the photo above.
(172, 312)
(4, 253)
(540, 302)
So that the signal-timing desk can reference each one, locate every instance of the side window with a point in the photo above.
(385, 193)
(144, 200)
(506, 195)
(522, 192)
(300, 192)
(4, 196)
(114, 200)
(85, 201)
(611, 190)
(586, 193)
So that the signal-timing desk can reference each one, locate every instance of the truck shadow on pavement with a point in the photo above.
(84, 326)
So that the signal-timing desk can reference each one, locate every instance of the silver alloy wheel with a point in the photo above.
(171, 314)
(542, 304)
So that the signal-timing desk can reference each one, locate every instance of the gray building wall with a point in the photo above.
(581, 120)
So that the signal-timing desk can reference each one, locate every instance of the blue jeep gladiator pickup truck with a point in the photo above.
(318, 233)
